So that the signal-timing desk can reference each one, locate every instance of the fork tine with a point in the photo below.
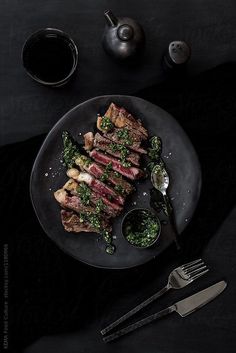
(185, 266)
(194, 272)
(194, 267)
(199, 275)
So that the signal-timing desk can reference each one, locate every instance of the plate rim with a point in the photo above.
(113, 96)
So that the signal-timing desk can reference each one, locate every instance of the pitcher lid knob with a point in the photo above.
(125, 32)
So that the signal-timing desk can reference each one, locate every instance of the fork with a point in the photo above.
(180, 277)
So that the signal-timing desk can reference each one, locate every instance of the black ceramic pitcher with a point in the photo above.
(123, 37)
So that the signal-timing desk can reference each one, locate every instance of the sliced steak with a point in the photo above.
(116, 150)
(127, 137)
(88, 141)
(72, 223)
(96, 185)
(107, 191)
(99, 172)
(121, 118)
(111, 209)
(72, 202)
(132, 173)
(114, 178)
(78, 223)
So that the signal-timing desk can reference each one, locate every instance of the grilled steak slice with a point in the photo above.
(72, 202)
(72, 223)
(113, 177)
(110, 208)
(99, 172)
(96, 185)
(132, 173)
(116, 150)
(121, 118)
(127, 137)
(88, 141)
(78, 223)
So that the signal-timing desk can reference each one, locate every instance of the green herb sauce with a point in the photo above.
(100, 206)
(124, 152)
(96, 221)
(110, 249)
(154, 153)
(124, 136)
(106, 173)
(70, 150)
(110, 198)
(106, 123)
(141, 228)
(120, 189)
(118, 175)
(84, 193)
(86, 161)
(70, 153)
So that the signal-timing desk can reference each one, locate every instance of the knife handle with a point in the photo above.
(135, 310)
(139, 324)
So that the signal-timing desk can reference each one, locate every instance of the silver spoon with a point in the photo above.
(160, 180)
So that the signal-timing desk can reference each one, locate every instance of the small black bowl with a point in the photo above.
(136, 216)
(50, 57)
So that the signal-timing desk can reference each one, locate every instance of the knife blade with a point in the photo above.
(196, 301)
(183, 308)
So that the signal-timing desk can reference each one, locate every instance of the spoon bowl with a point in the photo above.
(160, 178)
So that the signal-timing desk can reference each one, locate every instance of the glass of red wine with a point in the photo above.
(50, 57)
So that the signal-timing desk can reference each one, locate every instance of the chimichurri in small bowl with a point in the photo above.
(141, 227)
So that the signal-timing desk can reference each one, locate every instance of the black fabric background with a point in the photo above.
(51, 293)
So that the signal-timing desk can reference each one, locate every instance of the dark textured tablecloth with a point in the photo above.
(52, 294)
(28, 109)
(211, 329)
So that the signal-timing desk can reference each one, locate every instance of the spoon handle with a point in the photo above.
(169, 209)
(171, 219)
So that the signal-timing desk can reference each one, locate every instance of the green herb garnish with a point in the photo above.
(106, 236)
(106, 123)
(84, 193)
(126, 164)
(100, 206)
(156, 143)
(95, 220)
(109, 166)
(110, 249)
(86, 161)
(124, 152)
(118, 175)
(154, 152)
(143, 232)
(113, 146)
(106, 173)
(119, 189)
(124, 135)
(70, 150)
(110, 198)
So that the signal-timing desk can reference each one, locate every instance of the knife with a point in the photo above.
(183, 308)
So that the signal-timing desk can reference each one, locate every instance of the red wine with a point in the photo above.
(49, 58)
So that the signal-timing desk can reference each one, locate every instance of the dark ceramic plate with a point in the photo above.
(48, 175)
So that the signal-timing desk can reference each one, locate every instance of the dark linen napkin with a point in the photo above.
(51, 293)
